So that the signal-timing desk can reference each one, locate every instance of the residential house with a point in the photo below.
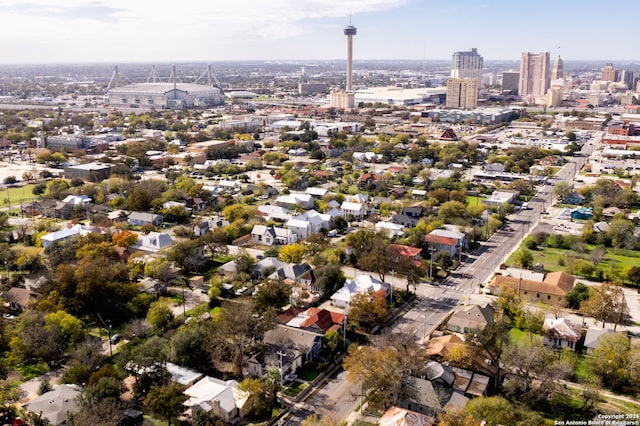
(295, 200)
(415, 211)
(152, 242)
(317, 191)
(295, 273)
(274, 357)
(276, 213)
(77, 200)
(353, 286)
(308, 343)
(357, 210)
(65, 235)
(195, 203)
(440, 347)
(207, 225)
(369, 181)
(493, 168)
(498, 198)
(19, 299)
(182, 375)
(396, 416)
(424, 397)
(399, 253)
(267, 264)
(471, 317)
(552, 289)
(439, 373)
(308, 223)
(560, 333)
(57, 404)
(272, 236)
(313, 319)
(593, 337)
(574, 198)
(447, 239)
(581, 213)
(391, 229)
(398, 192)
(405, 220)
(219, 397)
(419, 194)
(142, 218)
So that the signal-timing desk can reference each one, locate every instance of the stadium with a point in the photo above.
(167, 95)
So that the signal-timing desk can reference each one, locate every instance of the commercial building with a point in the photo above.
(467, 65)
(535, 77)
(94, 172)
(462, 93)
(308, 88)
(609, 73)
(510, 82)
(554, 96)
(557, 73)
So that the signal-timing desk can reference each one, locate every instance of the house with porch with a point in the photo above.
(560, 333)
(272, 236)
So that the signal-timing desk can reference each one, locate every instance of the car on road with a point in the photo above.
(508, 229)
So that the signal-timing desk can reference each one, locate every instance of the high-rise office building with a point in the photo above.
(462, 93)
(557, 73)
(626, 77)
(609, 73)
(510, 82)
(467, 65)
(535, 77)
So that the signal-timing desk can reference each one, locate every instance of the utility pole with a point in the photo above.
(393, 276)
(431, 251)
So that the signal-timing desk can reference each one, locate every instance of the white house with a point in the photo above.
(272, 235)
(153, 242)
(276, 213)
(392, 229)
(64, 235)
(77, 200)
(295, 199)
(310, 222)
(560, 333)
(357, 210)
(352, 286)
(219, 397)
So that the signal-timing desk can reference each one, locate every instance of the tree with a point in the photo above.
(631, 274)
(272, 294)
(577, 295)
(166, 401)
(187, 254)
(368, 310)
(607, 303)
(523, 257)
(329, 278)
(263, 394)
(496, 410)
(561, 190)
(491, 342)
(292, 253)
(160, 316)
(124, 238)
(610, 360)
(534, 372)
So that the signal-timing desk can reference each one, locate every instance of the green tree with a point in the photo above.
(272, 294)
(160, 316)
(166, 401)
(606, 303)
(523, 257)
(610, 360)
(329, 278)
(491, 342)
(578, 294)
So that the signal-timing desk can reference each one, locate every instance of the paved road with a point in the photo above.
(435, 302)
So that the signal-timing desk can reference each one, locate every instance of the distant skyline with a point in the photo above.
(119, 31)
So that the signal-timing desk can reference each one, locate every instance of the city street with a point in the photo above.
(434, 303)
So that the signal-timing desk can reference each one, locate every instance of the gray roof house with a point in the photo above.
(306, 342)
(471, 317)
(142, 218)
(593, 337)
(56, 404)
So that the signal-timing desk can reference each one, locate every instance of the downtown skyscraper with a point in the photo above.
(535, 76)
(467, 65)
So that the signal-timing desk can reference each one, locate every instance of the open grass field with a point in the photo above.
(17, 195)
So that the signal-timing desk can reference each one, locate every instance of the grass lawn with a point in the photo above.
(581, 372)
(17, 194)
(522, 336)
(308, 372)
(473, 200)
(295, 389)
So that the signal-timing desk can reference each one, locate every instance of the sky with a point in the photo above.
(120, 31)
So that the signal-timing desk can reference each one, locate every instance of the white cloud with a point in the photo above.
(145, 29)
